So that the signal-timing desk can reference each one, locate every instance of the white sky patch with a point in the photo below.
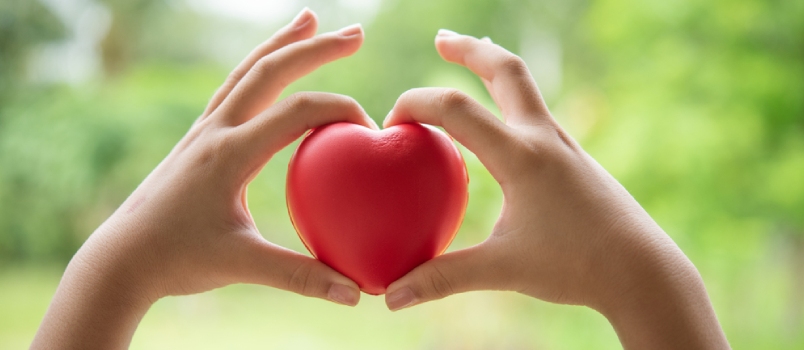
(258, 12)
(77, 58)
(268, 13)
(364, 9)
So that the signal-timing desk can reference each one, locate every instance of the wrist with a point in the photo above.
(111, 266)
(109, 279)
(95, 306)
(655, 298)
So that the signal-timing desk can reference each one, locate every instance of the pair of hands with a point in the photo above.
(568, 232)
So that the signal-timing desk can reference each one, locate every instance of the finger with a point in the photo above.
(462, 117)
(475, 268)
(485, 81)
(287, 120)
(260, 87)
(300, 28)
(271, 265)
(510, 82)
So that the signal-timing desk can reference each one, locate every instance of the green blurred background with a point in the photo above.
(697, 107)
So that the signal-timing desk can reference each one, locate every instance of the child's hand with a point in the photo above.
(186, 228)
(568, 232)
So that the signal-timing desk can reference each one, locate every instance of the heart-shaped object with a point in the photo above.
(372, 204)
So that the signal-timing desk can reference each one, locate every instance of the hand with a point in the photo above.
(568, 231)
(187, 229)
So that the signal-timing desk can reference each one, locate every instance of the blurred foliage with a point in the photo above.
(23, 25)
(696, 107)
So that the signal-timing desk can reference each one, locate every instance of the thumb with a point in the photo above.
(271, 265)
(475, 268)
(463, 118)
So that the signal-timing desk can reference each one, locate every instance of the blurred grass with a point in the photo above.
(255, 317)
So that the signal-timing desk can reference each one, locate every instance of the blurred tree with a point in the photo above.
(701, 116)
(23, 26)
(154, 31)
(130, 19)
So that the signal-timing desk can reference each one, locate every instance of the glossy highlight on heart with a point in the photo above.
(374, 204)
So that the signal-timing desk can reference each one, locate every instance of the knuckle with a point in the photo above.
(436, 283)
(534, 151)
(514, 65)
(302, 101)
(527, 156)
(349, 104)
(301, 280)
(235, 76)
(299, 100)
(453, 99)
(348, 101)
(264, 66)
(211, 149)
(543, 148)
(338, 100)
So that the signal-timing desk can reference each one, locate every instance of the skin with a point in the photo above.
(186, 229)
(568, 232)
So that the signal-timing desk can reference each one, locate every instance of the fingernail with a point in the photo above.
(487, 39)
(302, 18)
(400, 298)
(351, 30)
(343, 295)
(446, 32)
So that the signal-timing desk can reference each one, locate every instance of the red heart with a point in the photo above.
(373, 205)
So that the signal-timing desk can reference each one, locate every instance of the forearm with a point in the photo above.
(662, 304)
(94, 308)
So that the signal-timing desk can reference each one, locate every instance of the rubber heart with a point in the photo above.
(372, 204)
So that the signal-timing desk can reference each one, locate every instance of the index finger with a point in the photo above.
(265, 81)
(302, 27)
(509, 80)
